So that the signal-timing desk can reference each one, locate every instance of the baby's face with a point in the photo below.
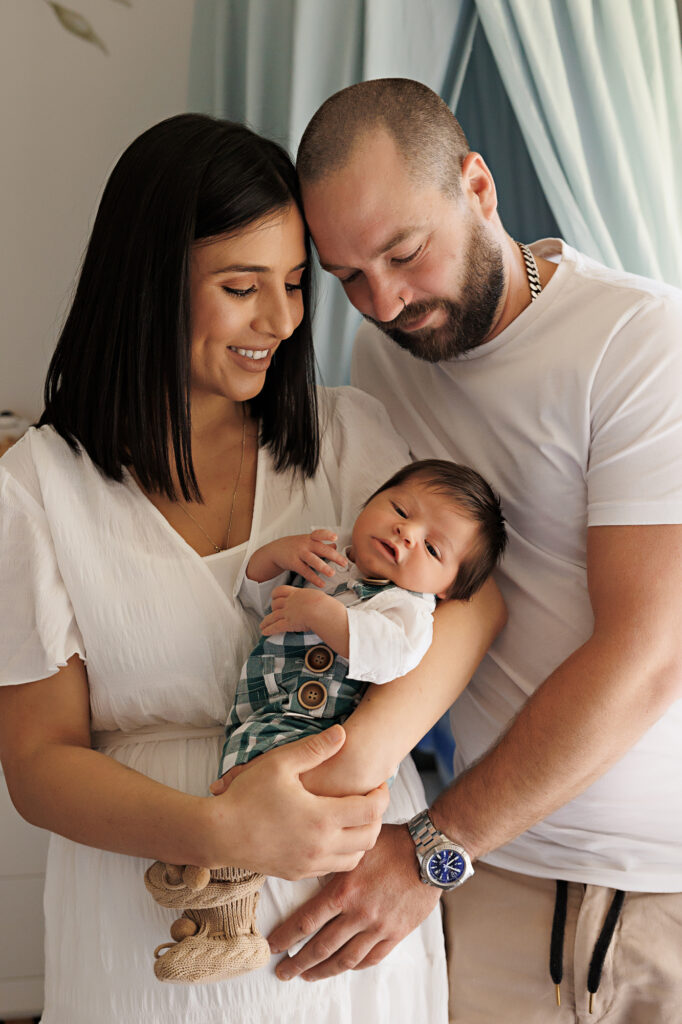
(412, 536)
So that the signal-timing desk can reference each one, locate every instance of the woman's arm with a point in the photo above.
(266, 819)
(392, 718)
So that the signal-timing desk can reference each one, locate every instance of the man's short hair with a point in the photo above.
(475, 499)
(424, 129)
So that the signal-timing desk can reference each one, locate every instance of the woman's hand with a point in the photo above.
(271, 823)
(306, 554)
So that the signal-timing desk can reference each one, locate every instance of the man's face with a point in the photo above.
(424, 267)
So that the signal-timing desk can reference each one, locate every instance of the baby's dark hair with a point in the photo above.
(471, 494)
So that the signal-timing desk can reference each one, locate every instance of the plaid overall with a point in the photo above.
(267, 711)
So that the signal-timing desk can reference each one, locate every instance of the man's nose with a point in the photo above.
(387, 299)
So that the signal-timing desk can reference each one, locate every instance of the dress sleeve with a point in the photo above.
(361, 450)
(38, 629)
(388, 635)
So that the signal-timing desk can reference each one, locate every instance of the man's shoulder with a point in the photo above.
(623, 287)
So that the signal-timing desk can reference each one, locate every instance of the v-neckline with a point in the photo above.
(247, 545)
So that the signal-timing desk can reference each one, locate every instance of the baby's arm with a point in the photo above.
(302, 553)
(295, 610)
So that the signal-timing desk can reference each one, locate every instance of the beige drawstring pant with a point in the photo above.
(498, 927)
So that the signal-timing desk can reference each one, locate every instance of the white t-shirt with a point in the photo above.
(574, 415)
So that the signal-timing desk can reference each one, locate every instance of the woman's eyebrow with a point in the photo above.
(254, 268)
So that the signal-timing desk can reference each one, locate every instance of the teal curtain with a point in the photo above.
(271, 63)
(596, 86)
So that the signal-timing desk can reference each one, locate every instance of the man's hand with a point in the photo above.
(362, 914)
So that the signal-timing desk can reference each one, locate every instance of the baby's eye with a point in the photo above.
(401, 511)
(433, 551)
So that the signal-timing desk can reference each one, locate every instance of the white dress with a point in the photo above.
(89, 566)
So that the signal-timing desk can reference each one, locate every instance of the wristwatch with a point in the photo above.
(441, 862)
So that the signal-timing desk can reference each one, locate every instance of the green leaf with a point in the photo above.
(78, 25)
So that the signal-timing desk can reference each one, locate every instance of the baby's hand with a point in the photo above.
(305, 553)
(292, 610)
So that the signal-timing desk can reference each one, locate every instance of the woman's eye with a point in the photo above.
(240, 293)
(351, 277)
(434, 552)
(407, 259)
(295, 287)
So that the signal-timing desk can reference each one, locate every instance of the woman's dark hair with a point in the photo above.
(119, 381)
(475, 498)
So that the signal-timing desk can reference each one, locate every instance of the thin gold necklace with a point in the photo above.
(234, 498)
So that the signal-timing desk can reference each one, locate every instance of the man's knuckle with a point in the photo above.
(347, 962)
(307, 923)
(321, 950)
(337, 903)
(373, 958)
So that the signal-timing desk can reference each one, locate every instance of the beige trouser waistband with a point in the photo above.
(154, 734)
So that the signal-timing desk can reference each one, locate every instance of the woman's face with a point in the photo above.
(246, 299)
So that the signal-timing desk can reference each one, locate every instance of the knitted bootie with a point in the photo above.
(179, 887)
(219, 942)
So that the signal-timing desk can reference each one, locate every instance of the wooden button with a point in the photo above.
(319, 658)
(312, 695)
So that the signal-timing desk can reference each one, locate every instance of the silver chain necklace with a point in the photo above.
(531, 271)
(198, 525)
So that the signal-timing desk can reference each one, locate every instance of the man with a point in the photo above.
(561, 382)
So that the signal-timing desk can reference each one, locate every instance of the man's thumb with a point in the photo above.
(319, 747)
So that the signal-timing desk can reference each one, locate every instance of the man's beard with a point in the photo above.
(468, 322)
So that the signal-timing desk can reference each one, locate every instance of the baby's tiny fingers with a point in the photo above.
(323, 535)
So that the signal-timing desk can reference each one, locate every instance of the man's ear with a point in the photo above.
(478, 185)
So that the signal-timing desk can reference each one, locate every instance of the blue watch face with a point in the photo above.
(445, 867)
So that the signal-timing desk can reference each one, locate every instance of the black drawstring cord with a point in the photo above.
(602, 944)
(556, 946)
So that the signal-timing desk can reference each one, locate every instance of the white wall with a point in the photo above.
(68, 111)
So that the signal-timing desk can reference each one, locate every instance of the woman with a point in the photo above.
(180, 432)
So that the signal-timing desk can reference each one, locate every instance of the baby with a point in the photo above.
(352, 617)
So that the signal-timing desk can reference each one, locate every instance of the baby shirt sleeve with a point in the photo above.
(389, 635)
(38, 629)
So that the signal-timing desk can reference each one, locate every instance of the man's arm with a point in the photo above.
(582, 719)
